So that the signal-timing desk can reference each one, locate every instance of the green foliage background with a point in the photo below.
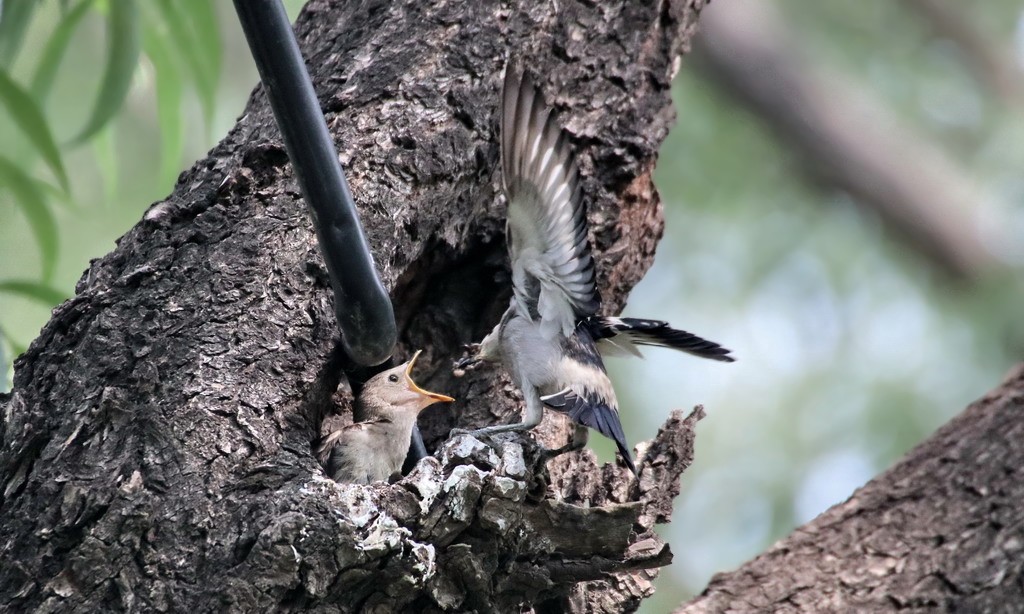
(852, 347)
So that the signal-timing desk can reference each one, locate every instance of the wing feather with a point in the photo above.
(342, 453)
(552, 269)
(592, 411)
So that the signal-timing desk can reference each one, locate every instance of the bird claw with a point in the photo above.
(468, 362)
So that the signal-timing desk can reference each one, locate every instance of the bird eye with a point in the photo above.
(392, 378)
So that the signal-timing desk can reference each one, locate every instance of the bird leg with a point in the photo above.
(531, 417)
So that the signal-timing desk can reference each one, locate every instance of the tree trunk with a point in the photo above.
(942, 531)
(156, 445)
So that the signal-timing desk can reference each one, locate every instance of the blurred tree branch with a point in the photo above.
(943, 530)
(993, 65)
(847, 140)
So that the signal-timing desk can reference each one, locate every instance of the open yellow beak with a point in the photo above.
(433, 396)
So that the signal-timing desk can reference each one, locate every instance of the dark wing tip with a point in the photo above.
(627, 458)
(606, 421)
(595, 414)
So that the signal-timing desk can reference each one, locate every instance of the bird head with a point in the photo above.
(396, 389)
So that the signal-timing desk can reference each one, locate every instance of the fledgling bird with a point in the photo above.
(550, 338)
(375, 447)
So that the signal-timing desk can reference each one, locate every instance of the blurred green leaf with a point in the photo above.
(29, 118)
(105, 148)
(32, 202)
(9, 350)
(46, 71)
(169, 92)
(122, 58)
(4, 367)
(15, 16)
(193, 46)
(54, 194)
(208, 43)
(37, 291)
(16, 348)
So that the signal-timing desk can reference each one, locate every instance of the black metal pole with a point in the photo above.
(363, 308)
(417, 450)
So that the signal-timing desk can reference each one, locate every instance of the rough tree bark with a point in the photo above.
(156, 445)
(942, 531)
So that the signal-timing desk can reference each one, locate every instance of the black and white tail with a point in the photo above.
(621, 336)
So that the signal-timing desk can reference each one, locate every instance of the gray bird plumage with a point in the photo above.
(549, 338)
(374, 448)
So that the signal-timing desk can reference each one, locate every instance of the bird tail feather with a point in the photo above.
(623, 335)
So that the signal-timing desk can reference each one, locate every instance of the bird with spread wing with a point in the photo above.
(551, 339)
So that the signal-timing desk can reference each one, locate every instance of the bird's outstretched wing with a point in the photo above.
(552, 269)
(620, 336)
